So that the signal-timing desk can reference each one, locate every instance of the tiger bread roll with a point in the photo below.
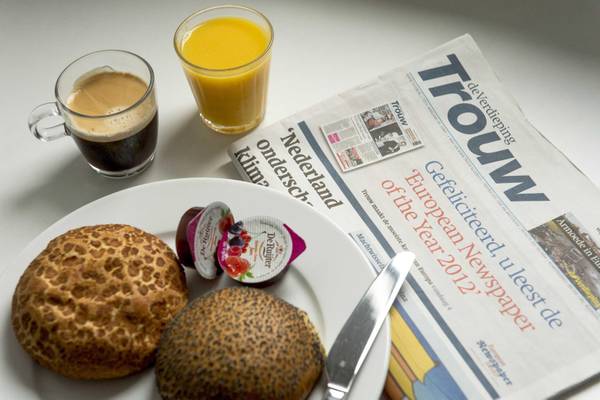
(94, 303)
(239, 343)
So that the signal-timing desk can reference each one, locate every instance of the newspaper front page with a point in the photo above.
(437, 158)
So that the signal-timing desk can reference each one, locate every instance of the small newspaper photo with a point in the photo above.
(574, 252)
(372, 135)
(436, 157)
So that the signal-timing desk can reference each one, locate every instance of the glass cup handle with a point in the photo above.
(53, 128)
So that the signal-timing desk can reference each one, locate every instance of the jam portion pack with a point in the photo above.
(255, 251)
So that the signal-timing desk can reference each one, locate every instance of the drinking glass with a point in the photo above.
(230, 100)
(119, 144)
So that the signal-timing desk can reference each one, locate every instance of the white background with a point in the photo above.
(546, 52)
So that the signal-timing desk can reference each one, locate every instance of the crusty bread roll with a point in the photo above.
(239, 343)
(94, 303)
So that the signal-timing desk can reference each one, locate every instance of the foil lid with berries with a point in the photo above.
(255, 251)
(258, 250)
(198, 235)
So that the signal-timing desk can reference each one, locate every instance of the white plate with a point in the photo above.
(326, 281)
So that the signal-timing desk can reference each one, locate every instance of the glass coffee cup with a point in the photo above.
(106, 102)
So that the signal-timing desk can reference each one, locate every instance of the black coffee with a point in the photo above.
(122, 154)
(117, 127)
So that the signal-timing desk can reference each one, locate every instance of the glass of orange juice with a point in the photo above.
(225, 52)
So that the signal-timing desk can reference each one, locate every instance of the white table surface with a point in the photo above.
(547, 53)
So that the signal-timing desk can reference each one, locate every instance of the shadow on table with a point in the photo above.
(70, 185)
(14, 358)
(573, 391)
(192, 149)
(570, 25)
(227, 170)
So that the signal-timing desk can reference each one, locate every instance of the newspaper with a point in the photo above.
(436, 157)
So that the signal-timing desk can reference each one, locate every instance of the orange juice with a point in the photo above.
(226, 42)
(226, 61)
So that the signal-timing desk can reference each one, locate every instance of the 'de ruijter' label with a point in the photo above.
(258, 249)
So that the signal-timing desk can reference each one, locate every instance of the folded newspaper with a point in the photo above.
(436, 157)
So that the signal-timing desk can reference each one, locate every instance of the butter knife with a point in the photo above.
(358, 333)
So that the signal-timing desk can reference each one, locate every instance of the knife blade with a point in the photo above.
(358, 333)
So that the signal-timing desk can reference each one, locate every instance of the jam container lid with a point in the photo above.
(198, 235)
(257, 251)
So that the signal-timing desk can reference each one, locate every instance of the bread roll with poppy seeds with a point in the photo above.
(239, 343)
(94, 303)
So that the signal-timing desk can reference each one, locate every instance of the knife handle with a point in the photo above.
(333, 394)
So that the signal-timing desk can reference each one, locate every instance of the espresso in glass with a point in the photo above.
(123, 136)
(106, 102)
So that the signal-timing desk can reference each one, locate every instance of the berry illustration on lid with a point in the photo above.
(257, 251)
